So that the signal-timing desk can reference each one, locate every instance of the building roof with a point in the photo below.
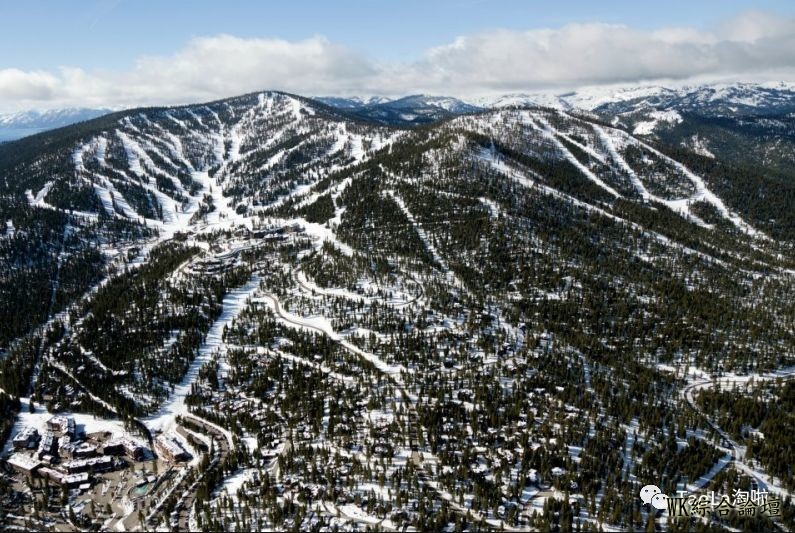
(23, 461)
(171, 444)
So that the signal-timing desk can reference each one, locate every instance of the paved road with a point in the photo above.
(360, 297)
(222, 448)
(736, 451)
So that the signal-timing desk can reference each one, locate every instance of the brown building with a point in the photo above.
(169, 448)
(24, 464)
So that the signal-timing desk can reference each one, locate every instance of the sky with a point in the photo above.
(120, 53)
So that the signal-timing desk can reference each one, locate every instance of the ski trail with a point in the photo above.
(451, 276)
(607, 143)
(529, 183)
(549, 132)
(704, 193)
(233, 304)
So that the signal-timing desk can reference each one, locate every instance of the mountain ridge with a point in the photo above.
(332, 301)
(716, 99)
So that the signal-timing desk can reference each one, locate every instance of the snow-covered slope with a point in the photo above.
(408, 312)
(756, 98)
(352, 102)
(414, 109)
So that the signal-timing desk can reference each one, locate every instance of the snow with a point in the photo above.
(133, 151)
(608, 144)
(589, 98)
(38, 201)
(357, 513)
(108, 194)
(235, 482)
(49, 118)
(703, 193)
(549, 132)
(233, 304)
(321, 324)
(528, 182)
(323, 234)
(397, 299)
(702, 481)
(425, 239)
(38, 419)
(494, 208)
(520, 100)
(666, 117)
(699, 146)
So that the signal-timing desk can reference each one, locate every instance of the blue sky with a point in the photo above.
(113, 33)
(65, 52)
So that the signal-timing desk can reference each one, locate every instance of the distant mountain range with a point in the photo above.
(732, 99)
(727, 99)
(409, 110)
(738, 122)
(643, 109)
(24, 123)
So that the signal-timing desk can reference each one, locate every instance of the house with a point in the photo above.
(169, 448)
(76, 480)
(69, 480)
(62, 425)
(65, 446)
(127, 447)
(546, 341)
(91, 464)
(76, 450)
(24, 464)
(192, 439)
(51, 474)
(47, 445)
(27, 439)
(113, 447)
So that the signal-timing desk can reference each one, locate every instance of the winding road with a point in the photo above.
(393, 373)
(735, 450)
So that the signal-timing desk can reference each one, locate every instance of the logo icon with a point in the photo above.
(652, 495)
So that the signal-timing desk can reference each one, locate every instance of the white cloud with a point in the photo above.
(16, 84)
(753, 26)
(224, 65)
(206, 68)
(753, 46)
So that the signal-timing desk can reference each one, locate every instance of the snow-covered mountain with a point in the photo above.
(413, 109)
(725, 98)
(353, 102)
(639, 106)
(319, 298)
(23, 123)
(745, 123)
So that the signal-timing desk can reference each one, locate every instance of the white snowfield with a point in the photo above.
(549, 133)
(647, 127)
(226, 143)
(611, 139)
(527, 181)
(590, 98)
(609, 145)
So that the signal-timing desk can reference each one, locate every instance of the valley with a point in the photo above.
(504, 318)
